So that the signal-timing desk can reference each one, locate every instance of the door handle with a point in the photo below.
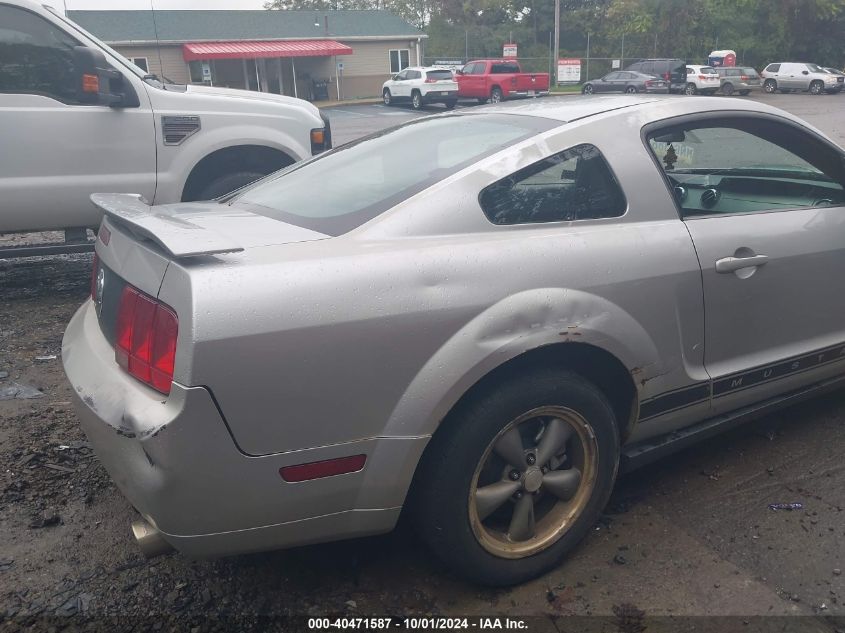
(733, 264)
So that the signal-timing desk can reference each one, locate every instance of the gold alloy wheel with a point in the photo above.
(533, 481)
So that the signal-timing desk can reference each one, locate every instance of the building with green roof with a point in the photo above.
(310, 54)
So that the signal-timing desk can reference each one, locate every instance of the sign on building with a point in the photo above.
(509, 50)
(568, 71)
(615, 64)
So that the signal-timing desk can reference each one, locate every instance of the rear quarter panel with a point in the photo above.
(378, 333)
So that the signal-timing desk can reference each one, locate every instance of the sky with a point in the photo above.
(158, 4)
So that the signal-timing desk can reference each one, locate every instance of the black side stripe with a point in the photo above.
(740, 381)
(674, 400)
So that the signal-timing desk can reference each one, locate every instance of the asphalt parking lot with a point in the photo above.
(689, 536)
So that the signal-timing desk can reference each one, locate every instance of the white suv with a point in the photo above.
(703, 79)
(421, 85)
(790, 76)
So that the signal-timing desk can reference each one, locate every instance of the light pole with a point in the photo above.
(557, 37)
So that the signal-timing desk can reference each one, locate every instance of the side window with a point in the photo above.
(467, 70)
(140, 62)
(402, 76)
(400, 59)
(612, 76)
(479, 68)
(414, 74)
(773, 68)
(748, 165)
(574, 185)
(35, 56)
(690, 71)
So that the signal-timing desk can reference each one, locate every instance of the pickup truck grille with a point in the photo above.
(176, 129)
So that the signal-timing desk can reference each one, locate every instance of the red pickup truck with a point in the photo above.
(499, 79)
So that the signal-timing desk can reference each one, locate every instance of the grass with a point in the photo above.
(565, 89)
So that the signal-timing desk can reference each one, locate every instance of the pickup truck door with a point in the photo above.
(764, 202)
(473, 80)
(57, 152)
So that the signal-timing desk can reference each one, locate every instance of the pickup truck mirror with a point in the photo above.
(98, 83)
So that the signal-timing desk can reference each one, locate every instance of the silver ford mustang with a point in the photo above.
(477, 318)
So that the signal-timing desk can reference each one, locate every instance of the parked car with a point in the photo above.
(672, 71)
(380, 328)
(802, 77)
(702, 79)
(626, 81)
(420, 86)
(499, 79)
(84, 119)
(740, 79)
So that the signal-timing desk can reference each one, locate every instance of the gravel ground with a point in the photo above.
(690, 536)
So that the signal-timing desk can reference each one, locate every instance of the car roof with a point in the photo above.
(569, 108)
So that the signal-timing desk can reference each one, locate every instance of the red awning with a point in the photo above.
(255, 50)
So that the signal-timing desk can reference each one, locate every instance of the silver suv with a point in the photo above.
(789, 76)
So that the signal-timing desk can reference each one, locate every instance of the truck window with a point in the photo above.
(35, 56)
(504, 68)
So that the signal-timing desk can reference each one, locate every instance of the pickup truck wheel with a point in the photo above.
(385, 96)
(416, 100)
(517, 477)
(496, 95)
(228, 183)
(817, 87)
(690, 89)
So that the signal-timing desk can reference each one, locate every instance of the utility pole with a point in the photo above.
(557, 38)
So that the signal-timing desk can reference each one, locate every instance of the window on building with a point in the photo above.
(141, 62)
(576, 184)
(35, 56)
(400, 59)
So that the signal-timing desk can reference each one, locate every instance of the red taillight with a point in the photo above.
(145, 342)
(649, 83)
(702, 77)
(94, 270)
(744, 78)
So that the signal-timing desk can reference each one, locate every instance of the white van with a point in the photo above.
(77, 118)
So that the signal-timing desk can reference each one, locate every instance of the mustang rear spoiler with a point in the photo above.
(179, 237)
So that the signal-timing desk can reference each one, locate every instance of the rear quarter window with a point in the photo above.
(773, 68)
(576, 184)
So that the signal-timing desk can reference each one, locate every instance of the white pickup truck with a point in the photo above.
(77, 118)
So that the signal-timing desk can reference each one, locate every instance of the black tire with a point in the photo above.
(387, 97)
(770, 86)
(728, 90)
(690, 89)
(450, 105)
(587, 89)
(227, 183)
(631, 90)
(496, 95)
(440, 501)
(745, 93)
(417, 100)
(816, 87)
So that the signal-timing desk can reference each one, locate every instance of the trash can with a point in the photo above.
(320, 90)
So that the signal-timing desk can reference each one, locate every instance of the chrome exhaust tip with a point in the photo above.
(149, 539)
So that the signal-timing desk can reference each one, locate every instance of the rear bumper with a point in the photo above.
(440, 97)
(527, 93)
(174, 459)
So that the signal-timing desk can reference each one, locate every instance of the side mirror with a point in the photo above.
(98, 83)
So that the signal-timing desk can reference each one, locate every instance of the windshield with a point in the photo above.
(354, 183)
